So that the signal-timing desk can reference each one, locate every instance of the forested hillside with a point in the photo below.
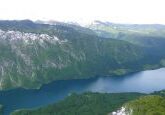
(33, 54)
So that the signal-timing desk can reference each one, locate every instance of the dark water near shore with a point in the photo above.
(145, 81)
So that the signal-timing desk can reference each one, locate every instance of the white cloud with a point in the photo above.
(124, 11)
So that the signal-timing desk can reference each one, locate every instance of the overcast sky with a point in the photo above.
(123, 11)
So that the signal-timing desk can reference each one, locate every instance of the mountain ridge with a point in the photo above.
(33, 54)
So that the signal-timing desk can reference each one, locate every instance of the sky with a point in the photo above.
(85, 11)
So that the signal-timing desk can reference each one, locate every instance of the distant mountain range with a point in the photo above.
(35, 53)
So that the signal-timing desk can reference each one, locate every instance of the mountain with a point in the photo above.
(115, 29)
(150, 36)
(32, 54)
(141, 34)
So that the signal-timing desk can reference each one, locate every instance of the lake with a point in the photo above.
(145, 82)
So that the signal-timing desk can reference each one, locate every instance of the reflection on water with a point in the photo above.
(146, 82)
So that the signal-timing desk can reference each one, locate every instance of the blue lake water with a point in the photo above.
(145, 81)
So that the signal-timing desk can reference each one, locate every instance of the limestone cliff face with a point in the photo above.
(122, 111)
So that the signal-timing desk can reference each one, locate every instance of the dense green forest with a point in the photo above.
(103, 104)
(33, 54)
(1, 109)
(147, 105)
(152, 104)
(84, 104)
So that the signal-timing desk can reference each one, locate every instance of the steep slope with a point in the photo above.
(145, 35)
(33, 54)
(149, 36)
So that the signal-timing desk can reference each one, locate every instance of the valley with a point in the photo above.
(50, 66)
(144, 82)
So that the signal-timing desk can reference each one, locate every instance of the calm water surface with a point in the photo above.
(146, 82)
